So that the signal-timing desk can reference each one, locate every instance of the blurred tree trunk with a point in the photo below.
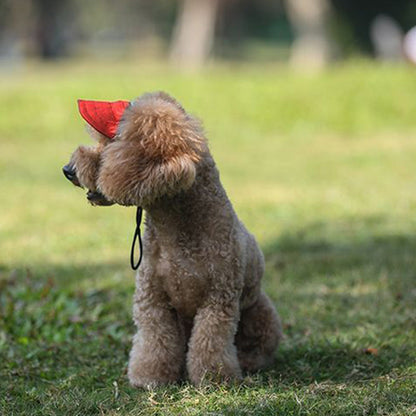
(193, 35)
(53, 28)
(18, 26)
(36, 27)
(309, 18)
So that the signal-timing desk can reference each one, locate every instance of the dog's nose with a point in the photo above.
(69, 172)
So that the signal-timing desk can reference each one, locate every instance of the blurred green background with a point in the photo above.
(316, 151)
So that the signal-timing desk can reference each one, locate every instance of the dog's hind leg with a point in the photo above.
(259, 332)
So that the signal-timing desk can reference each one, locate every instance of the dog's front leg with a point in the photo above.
(158, 353)
(212, 354)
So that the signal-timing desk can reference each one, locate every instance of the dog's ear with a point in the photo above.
(156, 153)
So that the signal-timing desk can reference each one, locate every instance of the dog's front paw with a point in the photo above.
(136, 380)
(150, 375)
(152, 368)
(213, 370)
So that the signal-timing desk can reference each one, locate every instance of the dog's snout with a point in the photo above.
(70, 174)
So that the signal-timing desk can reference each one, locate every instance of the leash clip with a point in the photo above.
(137, 236)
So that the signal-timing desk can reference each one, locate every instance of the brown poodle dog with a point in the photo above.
(198, 304)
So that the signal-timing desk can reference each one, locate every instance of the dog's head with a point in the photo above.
(150, 150)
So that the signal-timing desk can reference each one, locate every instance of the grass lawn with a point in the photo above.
(322, 169)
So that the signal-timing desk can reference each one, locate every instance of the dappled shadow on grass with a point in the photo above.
(339, 244)
(327, 249)
(347, 293)
(57, 340)
(47, 313)
(341, 288)
(71, 275)
(338, 363)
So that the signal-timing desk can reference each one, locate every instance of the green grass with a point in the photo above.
(321, 169)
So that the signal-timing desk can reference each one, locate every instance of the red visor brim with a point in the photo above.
(104, 116)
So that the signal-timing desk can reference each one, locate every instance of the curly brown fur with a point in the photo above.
(198, 304)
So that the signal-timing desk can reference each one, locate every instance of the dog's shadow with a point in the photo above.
(346, 292)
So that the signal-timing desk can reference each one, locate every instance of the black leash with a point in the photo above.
(137, 236)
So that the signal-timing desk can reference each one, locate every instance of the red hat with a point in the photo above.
(104, 116)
